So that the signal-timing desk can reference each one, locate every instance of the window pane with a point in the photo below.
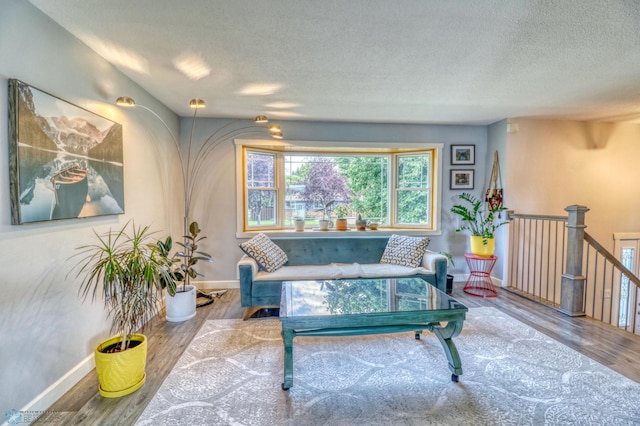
(413, 171)
(625, 287)
(369, 181)
(413, 183)
(260, 170)
(262, 207)
(261, 191)
(323, 185)
(413, 207)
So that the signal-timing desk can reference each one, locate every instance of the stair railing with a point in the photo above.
(552, 260)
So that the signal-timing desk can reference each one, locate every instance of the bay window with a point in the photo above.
(396, 187)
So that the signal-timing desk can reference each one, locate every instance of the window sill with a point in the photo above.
(309, 233)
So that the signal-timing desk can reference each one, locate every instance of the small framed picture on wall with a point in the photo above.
(461, 179)
(463, 155)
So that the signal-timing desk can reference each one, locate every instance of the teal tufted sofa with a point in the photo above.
(323, 258)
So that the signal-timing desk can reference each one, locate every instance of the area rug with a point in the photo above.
(231, 374)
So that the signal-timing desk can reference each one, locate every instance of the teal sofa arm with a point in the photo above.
(246, 284)
(440, 267)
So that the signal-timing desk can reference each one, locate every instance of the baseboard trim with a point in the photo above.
(216, 285)
(49, 396)
(462, 278)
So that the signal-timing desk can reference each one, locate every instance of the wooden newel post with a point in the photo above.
(573, 281)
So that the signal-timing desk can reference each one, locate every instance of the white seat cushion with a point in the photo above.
(373, 270)
(336, 271)
(301, 272)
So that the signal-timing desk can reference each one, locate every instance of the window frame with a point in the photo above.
(395, 189)
(245, 217)
(337, 148)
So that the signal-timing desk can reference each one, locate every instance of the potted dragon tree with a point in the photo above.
(181, 305)
(130, 274)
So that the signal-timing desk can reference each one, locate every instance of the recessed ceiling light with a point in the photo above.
(282, 105)
(285, 114)
(260, 89)
(192, 65)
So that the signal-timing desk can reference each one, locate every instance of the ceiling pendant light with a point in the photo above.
(125, 101)
(197, 103)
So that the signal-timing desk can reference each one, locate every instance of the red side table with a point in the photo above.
(479, 282)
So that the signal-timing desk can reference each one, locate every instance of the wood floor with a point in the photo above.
(83, 405)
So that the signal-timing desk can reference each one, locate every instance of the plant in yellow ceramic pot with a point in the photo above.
(482, 224)
(130, 273)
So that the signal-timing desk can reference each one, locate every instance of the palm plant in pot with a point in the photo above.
(482, 224)
(131, 274)
(181, 305)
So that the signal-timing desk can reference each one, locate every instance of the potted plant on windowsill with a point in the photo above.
(325, 223)
(341, 221)
(298, 223)
(181, 305)
(131, 274)
(361, 224)
(482, 224)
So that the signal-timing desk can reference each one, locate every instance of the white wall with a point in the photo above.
(45, 328)
(215, 203)
(554, 164)
(497, 141)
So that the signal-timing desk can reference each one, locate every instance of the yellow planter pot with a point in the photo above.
(121, 373)
(480, 249)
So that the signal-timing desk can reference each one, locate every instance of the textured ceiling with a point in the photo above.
(406, 61)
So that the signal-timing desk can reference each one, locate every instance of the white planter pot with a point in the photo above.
(299, 224)
(324, 224)
(182, 306)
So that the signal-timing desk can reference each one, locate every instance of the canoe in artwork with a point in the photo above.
(70, 186)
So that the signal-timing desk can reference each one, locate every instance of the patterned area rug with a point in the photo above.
(513, 375)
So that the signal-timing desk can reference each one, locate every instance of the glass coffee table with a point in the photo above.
(355, 307)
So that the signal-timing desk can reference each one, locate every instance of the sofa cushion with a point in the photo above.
(374, 270)
(404, 250)
(269, 256)
(301, 272)
(337, 271)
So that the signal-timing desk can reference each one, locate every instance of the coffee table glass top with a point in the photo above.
(362, 296)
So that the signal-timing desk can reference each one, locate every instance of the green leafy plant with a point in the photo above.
(184, 260)
(326, 209)
(342, 211)
(481, 223)
(129, 271)
(449, 257)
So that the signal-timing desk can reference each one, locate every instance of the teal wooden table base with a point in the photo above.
(332, 308)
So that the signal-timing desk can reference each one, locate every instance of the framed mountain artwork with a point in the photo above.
(64, 161)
